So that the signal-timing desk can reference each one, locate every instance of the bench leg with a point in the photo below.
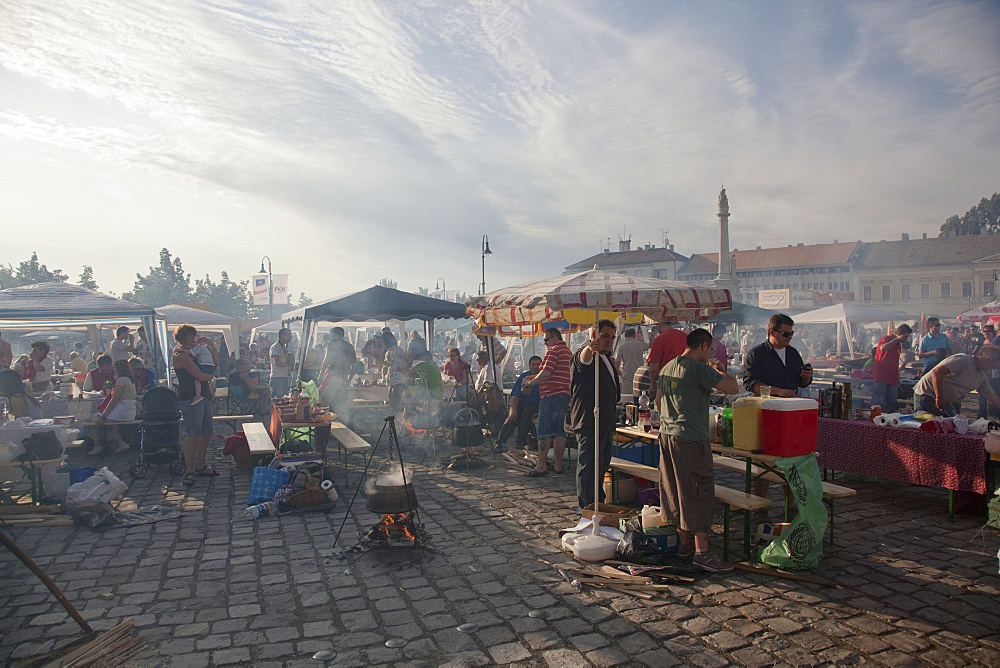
(725, 532)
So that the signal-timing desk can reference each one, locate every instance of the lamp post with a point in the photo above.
(270, 285)
(442, 288)
(486, 251)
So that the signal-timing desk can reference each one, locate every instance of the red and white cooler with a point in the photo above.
(788, 426)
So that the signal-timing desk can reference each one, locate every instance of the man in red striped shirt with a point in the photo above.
(553, 382)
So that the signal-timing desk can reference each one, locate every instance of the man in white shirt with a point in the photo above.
(122, 347)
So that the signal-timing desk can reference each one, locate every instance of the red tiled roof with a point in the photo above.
(790, 256)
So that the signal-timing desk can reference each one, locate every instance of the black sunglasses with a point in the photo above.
(787, 335)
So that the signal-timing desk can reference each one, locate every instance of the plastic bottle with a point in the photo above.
(4, 410)
(727, 425)
(261, 509)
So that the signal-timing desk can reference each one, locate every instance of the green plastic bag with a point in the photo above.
(310, 390)
(799, 546)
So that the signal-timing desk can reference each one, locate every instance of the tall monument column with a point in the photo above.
(725, 279)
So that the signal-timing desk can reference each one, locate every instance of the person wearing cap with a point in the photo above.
(667, 345)
(941, 391)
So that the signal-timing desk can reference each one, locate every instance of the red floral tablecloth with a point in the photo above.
(903, 455)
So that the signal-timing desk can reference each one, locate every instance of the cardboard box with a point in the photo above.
(610, 515)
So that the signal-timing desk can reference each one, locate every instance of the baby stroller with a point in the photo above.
(161, 431)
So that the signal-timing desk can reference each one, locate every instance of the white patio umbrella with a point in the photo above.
(982, 313)
(586, 298)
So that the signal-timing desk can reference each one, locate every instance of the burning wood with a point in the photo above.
(397, 530)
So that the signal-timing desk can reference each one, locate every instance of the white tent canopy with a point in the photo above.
(210, 321)
(844, 314)
(67, 306)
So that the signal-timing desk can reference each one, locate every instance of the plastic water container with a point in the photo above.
(788, 426)
(747, 433)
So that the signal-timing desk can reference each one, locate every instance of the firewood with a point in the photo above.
(613, 576)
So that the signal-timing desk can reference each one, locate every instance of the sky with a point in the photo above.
(354, 140)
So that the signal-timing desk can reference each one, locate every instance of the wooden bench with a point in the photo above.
(259, 441)
(732, 500)
(348, 442)
(831, 492)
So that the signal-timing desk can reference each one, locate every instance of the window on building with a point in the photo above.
(868, 293)
(640, 273)
(886, 293)
(661, 273)
(966, 289)
(925, 291)
(904, 291)
(988, 289)
(946, 291)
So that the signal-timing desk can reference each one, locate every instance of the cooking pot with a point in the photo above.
(392, 499)
(468, 429)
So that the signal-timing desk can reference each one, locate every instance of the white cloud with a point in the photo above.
(393, 135)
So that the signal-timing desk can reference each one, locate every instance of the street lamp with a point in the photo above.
(442, 288)
(270, 285)
(486, 251)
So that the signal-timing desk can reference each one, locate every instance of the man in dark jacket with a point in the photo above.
(777, 366)
(775, 363)
(581, 409)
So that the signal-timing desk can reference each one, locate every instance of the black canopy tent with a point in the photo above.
(374, 303)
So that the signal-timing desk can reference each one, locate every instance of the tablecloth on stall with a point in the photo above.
(950, 461)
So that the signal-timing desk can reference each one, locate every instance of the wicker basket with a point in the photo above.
(307, 498)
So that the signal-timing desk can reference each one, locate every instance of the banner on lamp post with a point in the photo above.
(259, 282)
(280, 283)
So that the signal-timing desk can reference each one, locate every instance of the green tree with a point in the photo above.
(388, 283)
(424, 291)
(87, 278)
(984, 218)
(165, 283)
(228, 297)
(29, 272)
(303, 300)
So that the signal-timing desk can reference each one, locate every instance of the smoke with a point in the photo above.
(391, 478)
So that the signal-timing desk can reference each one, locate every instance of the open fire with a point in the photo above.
(397, 530)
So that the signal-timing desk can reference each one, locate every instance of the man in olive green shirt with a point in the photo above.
(687, 482)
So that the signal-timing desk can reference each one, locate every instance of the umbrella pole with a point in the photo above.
(597, 435)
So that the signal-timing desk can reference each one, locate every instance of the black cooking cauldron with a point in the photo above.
(392, 499)
(468, 429)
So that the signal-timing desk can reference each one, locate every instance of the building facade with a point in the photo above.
(646, 262)
(942, 276)
(827, 270)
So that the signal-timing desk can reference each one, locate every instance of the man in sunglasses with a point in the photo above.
(777, 367)
(775, 364)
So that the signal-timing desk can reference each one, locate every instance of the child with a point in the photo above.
(203, 358)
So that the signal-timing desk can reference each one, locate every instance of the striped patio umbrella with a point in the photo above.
(589, 296)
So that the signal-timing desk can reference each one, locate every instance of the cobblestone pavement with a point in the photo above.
(214, 588)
